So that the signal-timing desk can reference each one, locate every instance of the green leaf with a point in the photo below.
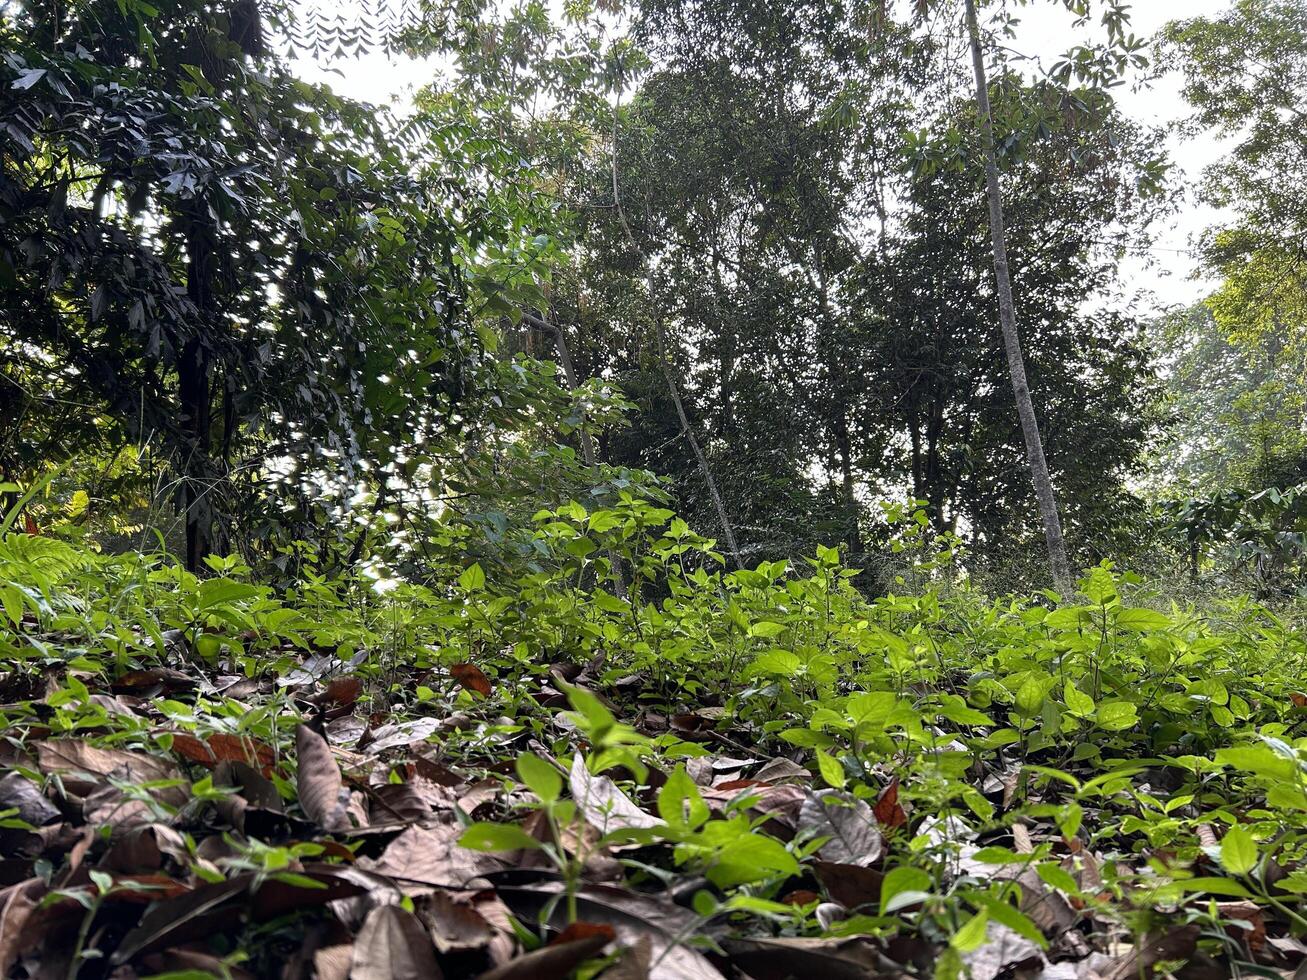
(497, 837)
(1058, 877)
(217, 591)
(1030, 696)
(903, 881)
(972, 935)
(751, 858)
(806, 738)
(1238, 851)
(831, 770)
(1077, 702)
(776, 663)
(1117, 716)
(1142, 620)
(956, 710)
(539, 777)
(1260, 760)
(473, 578)
(680, 803)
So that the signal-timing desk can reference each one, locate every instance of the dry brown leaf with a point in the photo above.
(471, 677)
(222, 747)
(1003, 948)
(1177, 944)
(333, 962)
(165, 679)
(849, 825)
(604, 806)
(550, 962)
(17, 792)
(781, 769)
(399, 802)
(393, 945)
(432, 856)
(635, 964)
(67, 755)
(455, 926)
(322, 793)
(184, 918)
(633, 917)
(341, 691)
(888, 810)
(193, 962)
(784, 959)
(17, 903)
(1250, 912)
(851, 885)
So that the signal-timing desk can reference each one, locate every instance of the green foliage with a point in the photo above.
(1127, 727)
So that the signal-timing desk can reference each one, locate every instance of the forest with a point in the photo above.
(676, 490)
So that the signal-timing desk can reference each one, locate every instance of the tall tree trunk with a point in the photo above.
(660, 335)
(194, 392)
(687, 430)
(588, 452)
(839, 410)
(1039, 474)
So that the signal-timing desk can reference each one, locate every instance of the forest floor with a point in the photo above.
(258, 796)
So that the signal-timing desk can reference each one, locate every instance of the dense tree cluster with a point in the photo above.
(763, 235)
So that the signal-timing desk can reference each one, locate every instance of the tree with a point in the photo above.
(937, 362)
(1245, 73)
(256, 280)
(1039, 475)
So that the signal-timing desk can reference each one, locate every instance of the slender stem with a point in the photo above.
(669, 376)
(1060, 567)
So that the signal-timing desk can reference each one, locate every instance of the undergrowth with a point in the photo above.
(623, 757)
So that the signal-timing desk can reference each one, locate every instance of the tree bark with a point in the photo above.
(839, 413)
(1039, 474)
(194, 392)
(669, 376)
(587, 439)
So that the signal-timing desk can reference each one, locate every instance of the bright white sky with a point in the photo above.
(1045, 32)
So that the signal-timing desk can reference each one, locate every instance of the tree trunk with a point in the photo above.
(1039, 474)
(194, 392)
(660, 335)
(686, 429)
(839, 412)
(588, 452)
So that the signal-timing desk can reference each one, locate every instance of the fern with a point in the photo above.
(49, 558)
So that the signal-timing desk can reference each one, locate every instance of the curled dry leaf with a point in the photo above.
(471, 677)
(393, 945)
(604, 806)
(848, 824)
(555, 961)
(322, 793)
